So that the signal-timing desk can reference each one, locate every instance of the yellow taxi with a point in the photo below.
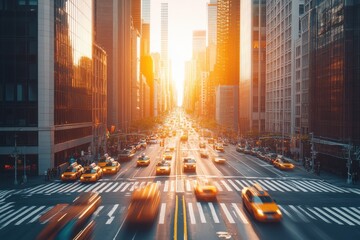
(112, 167)
(144, 205)
(283, 164)
(260, 205)
(92, 173)
(72, 172)
(70, 221)
(143, 160)
(205, 189)
(163, 168)
(104, 160)
(219, 160)
(189, 164)
(219, 147)
(167, 155)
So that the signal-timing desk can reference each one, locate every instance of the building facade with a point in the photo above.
(282, 30)
(47, 89)
(334, 84)
(252, 67)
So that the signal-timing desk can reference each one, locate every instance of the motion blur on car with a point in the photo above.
(281, 163)
(205, 189)
(259, 204)
(71, 221)
(144, 205)
(189, 164)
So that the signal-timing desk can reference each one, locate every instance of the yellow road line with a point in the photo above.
(185, 225)
(175, 218)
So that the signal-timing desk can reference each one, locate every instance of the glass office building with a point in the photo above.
(334, 79)
(46, 82)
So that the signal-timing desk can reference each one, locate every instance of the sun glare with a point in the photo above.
(184, 17)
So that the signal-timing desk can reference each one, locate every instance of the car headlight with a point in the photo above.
(278, 212)
(260, 212)
(92, 176)
(81, 177)
(62, 175)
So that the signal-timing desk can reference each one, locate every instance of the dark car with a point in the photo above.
(125, 155)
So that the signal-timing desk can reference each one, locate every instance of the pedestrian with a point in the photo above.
(45, 175)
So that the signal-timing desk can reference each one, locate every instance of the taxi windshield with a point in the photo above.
(90, 170)
(70, 169)
(189, 160)
(262, 199)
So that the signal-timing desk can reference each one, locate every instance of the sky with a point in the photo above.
(185, 16)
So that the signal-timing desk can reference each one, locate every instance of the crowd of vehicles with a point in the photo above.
(278, 161)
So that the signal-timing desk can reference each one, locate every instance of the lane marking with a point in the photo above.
(29, 215)
(176, 216)
(340, 215)
(202, 216)
(227, 213)
(240, 214)
(110, 214)
(162, 213)
(185, 221)
(213, 212)
(191, 213)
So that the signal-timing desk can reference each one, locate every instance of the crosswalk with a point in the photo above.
(197, 213)
(186, 185)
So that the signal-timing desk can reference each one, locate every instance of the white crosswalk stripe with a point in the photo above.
(180, 185)
(198, 213)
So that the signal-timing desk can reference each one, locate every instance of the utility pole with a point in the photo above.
(15, 156)
(349, 162)
(25, 177)
(313, 152)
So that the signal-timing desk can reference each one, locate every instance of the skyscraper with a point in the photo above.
(282, 30)
(252, 66)
(164, 38)
(47, 91)
(334, 84)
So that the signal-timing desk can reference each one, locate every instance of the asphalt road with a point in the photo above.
(312, 209)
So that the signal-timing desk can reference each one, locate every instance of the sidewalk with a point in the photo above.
(7, 183)
(326, 176)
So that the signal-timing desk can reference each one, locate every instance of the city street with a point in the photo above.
(311, 208)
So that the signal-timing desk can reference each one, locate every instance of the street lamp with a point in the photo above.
(15, 156)
(25, 177)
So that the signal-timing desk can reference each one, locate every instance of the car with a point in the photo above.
(70, 221)
(112, 167)
(202, 145)
(189, 164)
(167, 155)
(184, 138)
(92, 173)
(72, 172)
(283, 164)
(104, 160)
(163, 168)
(171, 148)
(143, 160)
(204, 153)
(125, 155)
(205, 189)
(259, 204)
(144, 205)
(219, 159)
(270, 157)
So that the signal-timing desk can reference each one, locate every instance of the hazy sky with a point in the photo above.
(184, 17)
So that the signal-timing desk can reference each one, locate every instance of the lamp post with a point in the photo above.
(15, 156)
(25, 177)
